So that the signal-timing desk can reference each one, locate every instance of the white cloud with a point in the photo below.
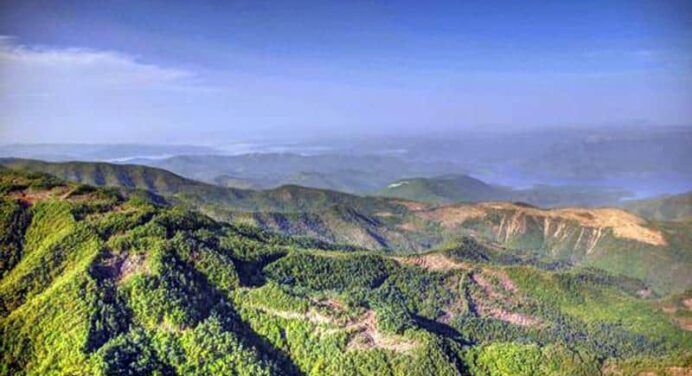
(62, 94)
(32, 71)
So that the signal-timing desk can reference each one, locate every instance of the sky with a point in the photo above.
(213, 72)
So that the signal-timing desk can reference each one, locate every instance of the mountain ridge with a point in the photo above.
(106, 283)
(581, 237)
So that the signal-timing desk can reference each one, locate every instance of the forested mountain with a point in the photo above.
(106, 281)
(107, 174)
(657, 252)
(344, 172)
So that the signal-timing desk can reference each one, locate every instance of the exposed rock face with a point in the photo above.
(583, 229)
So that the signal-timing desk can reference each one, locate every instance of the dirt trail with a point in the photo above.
(433, 262)
(367, 336)
(311, 315)
(30, 197)
(364, 332)
(491, 301)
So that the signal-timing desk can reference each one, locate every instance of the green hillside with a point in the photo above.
(659, 253)
(666, 208)
(109, 282)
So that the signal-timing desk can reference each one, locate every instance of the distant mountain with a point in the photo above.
(348, 173)
(659, 253)
(463, 188)
(107, 174)
(665, 208)
(445, 189)
(234, 182)
(646, 153)
(98, 152)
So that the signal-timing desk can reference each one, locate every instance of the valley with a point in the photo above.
(100, 281)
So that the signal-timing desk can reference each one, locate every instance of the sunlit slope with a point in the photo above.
(109, 282)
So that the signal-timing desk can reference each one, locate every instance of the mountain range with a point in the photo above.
(119, 281)
(657, 252)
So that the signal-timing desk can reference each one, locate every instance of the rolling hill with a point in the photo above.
(349, 173)
(659, 253)
(101, 281)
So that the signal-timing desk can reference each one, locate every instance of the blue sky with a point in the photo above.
(214, 72)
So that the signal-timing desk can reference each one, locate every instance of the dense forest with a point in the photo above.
(116, 282)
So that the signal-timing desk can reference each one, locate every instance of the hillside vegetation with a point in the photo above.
(101, 281)
(660, 253)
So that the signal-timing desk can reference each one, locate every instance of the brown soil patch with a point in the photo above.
(364, 332)
(514, 220)
(490, 302)
(452, 216)
(685, 323)
(687, 302)
(433, 262)
(311, 315)
(30, 197)
(133, 263)
(623, 224)
(412, 205)
(333, 304)
(504, 279)
(120, 267)
(512, 317)
(366, 336)
(679, 371)
(487, 287)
